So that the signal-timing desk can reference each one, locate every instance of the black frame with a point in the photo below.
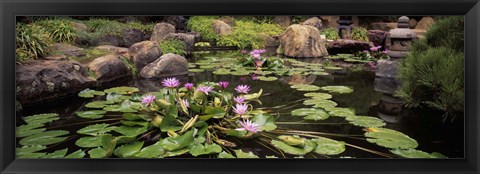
(9, 9)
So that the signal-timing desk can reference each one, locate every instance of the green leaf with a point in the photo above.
(26, 133)
(88, 142)
(98, 153)
(27, 127)
(32, 155)
(222, 71)
(263, 78)
(200, 149)
(125, 106)
(310, 113)
(175, 152)
(365, 121)
(131, 131)
(57, 154)
(195, 70)
(327, 146)
(122, 90)
(238, 134)
(170, 124)
(128, 150)
(134, 123)
(413, 153)
(152, 151)
(254, 95)
(29, 149)
(92, 114)
(303, 87)
(390, 138)
(179, 142)
(96, 129)
(116, 98)
(88, 93)
(265, 122)
(341, 112)
(338, 89)
(225, 155)
(318, 95)
(241, 154)
(45, 138)
(76, 154)
(41, 118)
(215, 112)
(134, 116)
(320, 103)
(98, 104)
(294, 150)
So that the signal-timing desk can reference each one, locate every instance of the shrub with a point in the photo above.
(173, 46)
(330, 33)
(32, 42)
(99, 28)
(203, 25)
(359, 33)
(249, 34)
(60, 30)
(447, 32)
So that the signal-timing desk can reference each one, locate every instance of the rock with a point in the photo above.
(115, 49)
(79, 26)
(109, 68)
(387, 68)
(43, 80)
(283, 21)
(386, 85)
(271, 41)
(384, 26)
(132, 35)
(420, 32)
(59, 57)
(68, 50)
(330, 21)
(110, 40)
(179, 22)
(143, 53)
(377, 37)
(347, 46)
(222, 28)
(167, 65)
(302, 41)
(412, 23)
(160, 31)
(425, 23)
(229, 20)
(187, 39)
(314, 22)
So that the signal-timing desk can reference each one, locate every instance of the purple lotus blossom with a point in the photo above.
(262, 51)
(257, 56)
(170, 82)
(254, 77)
(242, 89)
(205, 89)
(248, 125)
(189, 86)
(385, 51)
(258, 63)
(148, 99)
(240, 109)
(239, 99)
(223, 84)
(244, 51)
(256, 53)
(375, 48)
(186, 103)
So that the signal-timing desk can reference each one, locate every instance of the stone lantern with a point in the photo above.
(344, 26)
(399, 40)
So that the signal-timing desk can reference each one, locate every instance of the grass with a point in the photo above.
(32, 42)
(130, 65)
(173, 46)
(330, 33)
(90, 55)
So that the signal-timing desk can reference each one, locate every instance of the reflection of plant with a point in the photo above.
(330, 33)
(359, 33)
(173, 46)
(32, 42)
(373, 54)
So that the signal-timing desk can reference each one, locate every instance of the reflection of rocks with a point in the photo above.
(386, 85)
(154, 85)
(109, 68)
(46, 80)
(167, 65)
(347, 46)
(387, 68)
(299, 79)
(302, 41)
(143, 53)
(160, 31)
(390, 105)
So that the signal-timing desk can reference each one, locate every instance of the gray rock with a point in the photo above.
(222, 28)
(283, 21)
(187, 39)
(314, 22)
(160, 31)
(302, 41)
(377, 37)
(167, 65)
(387, 68)
(112, 48)
(68, 50)
(131, 36)
(425, 23)
(41, 81)
(143, 53)
(348, 46)
(109, 68)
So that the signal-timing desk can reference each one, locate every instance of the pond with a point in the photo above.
(279, 99)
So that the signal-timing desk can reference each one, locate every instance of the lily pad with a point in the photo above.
(125, 106)
(265, 122)
(295, 150)
(122, 90)
(222, 71)
(318, 95)
(225, 155)
(194, 70)
(310, 113)
(92, 114)
(96, 129)
(41, 118)
(57, 154)
(152, 151)
(25, 133)
(130, 131)
(413, 153)
(306, 87)
(88, 142)
(175, 152)
(201, 149)
(76, 154)
(178, 142)
(240, 73)
(88, 93)
(320, 103)
(341, 112)
(338, 89)
(116, 98)
(326, 146)
(320, 73)
(241, 154)
(98, 153)
(29, 149)
(128, 150)
(365, 121)
(390, 138)
(45, 138)
(263, 78)
(98, 104)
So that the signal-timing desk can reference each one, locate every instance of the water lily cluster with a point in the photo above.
(373, 54)
(258, 61)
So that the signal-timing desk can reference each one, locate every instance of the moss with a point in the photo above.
(359, 33)
(173, 46)
(330, 33)
(90, 54)
(250, 34)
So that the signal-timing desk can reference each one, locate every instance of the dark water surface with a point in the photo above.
(424, 126)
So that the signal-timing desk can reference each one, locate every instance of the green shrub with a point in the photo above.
(60, 30)
(249, 34)
(32, 42)
(359, 33)
(203, 25)
(173, 46)
(433, 72)
(330, 33)
(133, 69)
(99, 28)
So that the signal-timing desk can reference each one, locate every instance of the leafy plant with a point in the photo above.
(359, 33)
(203, 25)
(330, 33)
(59, 30)
(249, 34)
(173, 46)
(32, 42)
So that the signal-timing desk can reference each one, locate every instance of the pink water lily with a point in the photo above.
(223, 84)
(189, 86)
(205, 89)
(186, 103)
(240, 109)
(242, 89)
(239, 99)
(148, 100)
(248, 125)
(375, 48)
(170, 82)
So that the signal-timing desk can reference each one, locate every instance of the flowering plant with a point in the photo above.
(373, 54)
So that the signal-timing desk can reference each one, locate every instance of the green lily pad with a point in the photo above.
(215, 112)
(240, 73)
(91, 114)
(263, 78)
(222, 71)
(128, 150)
(32, 155)
(98, 153)
(390, 138)
(225, 155)
(327, 146)
(29, 149)
(96, 129)
(341, 112)
(152, 151)
(122, 90)
(130, 131)
(125, 106)
(44, 138)
(310, 113)
(57, 154)
(76, 154)
(320, 103)
(241, 154)
(41, 118)
(88, 93)
(170, 124)
(194, 70)
(200, 149)
(88, 142)
(265, 122)
(295, 150)
(178, 142)
(306, 87)
(318, 95)
(175, 152)
(97, 104)
(116, 98)
(209, 67)
(135, 116)
(25, 133)
(365, 121)
(338, 89)
(191, 65)
(320, 73)
(333, 68)
(413, 153)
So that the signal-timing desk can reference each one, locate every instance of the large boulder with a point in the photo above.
(222, 28)
(68, 50)
(160, 31)
(283, 21)
(167, 65)
(412, 23)
(111, 48)
(187, 39)
(144, 53)
(314, 22)
(109, 68)
(425, 23)
(330, 21)
(40, 81)
(302, 41)
(179, 22)
(348, 46)
(377, 37)
(132, 35)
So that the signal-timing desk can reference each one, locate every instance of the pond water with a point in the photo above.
(424, 126)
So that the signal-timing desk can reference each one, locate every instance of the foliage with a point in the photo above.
(447, 32)
(32, 42)
(298, 19)
(90, 54)
(249, 34)
(330, 33)
(203, 25)
(174, 46)
(59, 30)
(359, 33)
